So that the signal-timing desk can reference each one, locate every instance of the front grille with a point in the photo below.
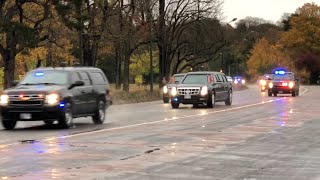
(191, 91)
(26, 100)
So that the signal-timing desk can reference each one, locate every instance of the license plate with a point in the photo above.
(187, 96)
(25, 116)
(280, 92)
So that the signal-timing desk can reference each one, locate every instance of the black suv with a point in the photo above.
(62, 93)
(202, 88)
(282, 82)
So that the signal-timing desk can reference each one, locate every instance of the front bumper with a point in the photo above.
(31, 113)
(194, 99)
(281, 90)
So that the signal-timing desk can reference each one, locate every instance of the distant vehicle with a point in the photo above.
(238, 80)
(202, 88)
(175, 79)
(57, 94)
(283, 82)
(264, 81)
(229, 78)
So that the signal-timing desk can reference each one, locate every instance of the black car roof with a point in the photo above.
(205, 72)
(65, 68)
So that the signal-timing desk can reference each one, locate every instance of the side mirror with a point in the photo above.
(77, 83)
(15, 82)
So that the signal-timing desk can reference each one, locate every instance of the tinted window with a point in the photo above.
(40, 77)
(218, 78)
(196, 79)
(282, 77)
(177, 79)
(85, 78)
(75, 77)
(98, 78)
(223, 78)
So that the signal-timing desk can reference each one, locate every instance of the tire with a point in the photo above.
(48, 122)
(294, 93)
(100, 113)
(195, 105)
(297, 93)
(212, 101)
(269, 94)
(275, 94)
(66, 117)
(228, 101)
(165, 100)
(9, 124)
(175, 105)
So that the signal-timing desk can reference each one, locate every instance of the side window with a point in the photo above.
(218, 78)
(98, 78)
(223, 78)
(75, 77)
(85, 78)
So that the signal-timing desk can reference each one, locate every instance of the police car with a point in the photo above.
(282, 82)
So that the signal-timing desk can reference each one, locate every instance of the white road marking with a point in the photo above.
(153, 122)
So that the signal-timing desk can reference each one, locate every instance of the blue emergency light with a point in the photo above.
(38, 74)
(281, 72)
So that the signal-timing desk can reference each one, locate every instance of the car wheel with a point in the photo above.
(212, 101)
(297, 93)
(48, 122)
(269, 94)
(293, 93)
(166, 100)
(228, 101)
(100, 113)
(66, 117)
(175, 105)
(9, 124)
(195, 105)
(275, 94)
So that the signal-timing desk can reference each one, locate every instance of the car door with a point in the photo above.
(218, 87)
(88, 93)
(224, 85)
(76, 94)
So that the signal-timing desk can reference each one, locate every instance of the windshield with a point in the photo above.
(45, 77)
(196, 79)
(282, 77)
(177, 79)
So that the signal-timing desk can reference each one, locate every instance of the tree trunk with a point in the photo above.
(8, 70)
(118, 64)
(161, 44)
(126, 67)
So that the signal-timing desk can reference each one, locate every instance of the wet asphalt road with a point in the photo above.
(258, 137)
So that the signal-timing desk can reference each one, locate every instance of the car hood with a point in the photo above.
(33, 89)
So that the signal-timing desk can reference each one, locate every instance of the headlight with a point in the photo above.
(243, 81)
(52, 99)
(4, 100)
(204, 90)
(270, 85)
(174, 91)
(236, 81)
(291, 84)
(263, 82)
(165, 89)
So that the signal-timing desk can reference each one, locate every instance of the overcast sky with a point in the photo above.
(267, 9)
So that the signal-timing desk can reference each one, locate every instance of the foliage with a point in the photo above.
(1, 75)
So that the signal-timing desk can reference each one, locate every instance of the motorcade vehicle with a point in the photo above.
(239, 80)
(264, 81)
(282, 82)
(56, 94)
(175, 79)
(202, 88)
(229, 78)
